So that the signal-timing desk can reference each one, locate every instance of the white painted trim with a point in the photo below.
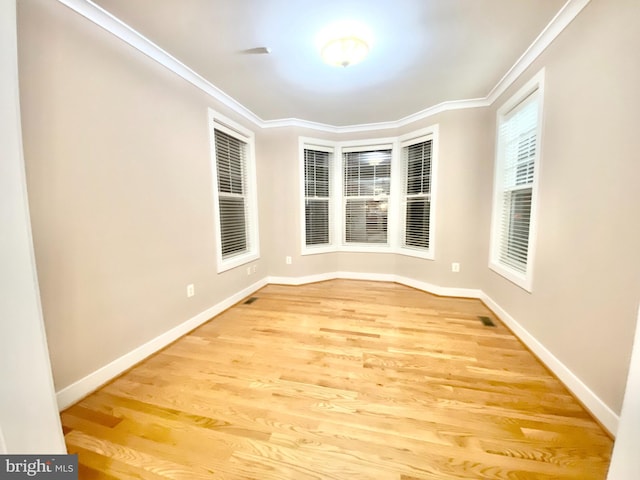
(596, 406)
(330, 148)
(322, 277)
(379, 277)
(563, 18)
(83, 387)
(535, 85)
(228, 126)
(625, 462)
(429, 133)
(437, 289)
(113, 25)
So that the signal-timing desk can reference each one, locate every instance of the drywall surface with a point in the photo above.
(587, 267)
(29, 421)
(118, 167)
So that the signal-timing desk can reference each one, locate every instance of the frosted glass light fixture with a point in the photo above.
(344, 43)
(345, 51)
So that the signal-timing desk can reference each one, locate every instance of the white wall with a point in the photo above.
(625, 462)
(29, 421)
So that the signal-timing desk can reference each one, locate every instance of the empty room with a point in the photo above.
(338, 240)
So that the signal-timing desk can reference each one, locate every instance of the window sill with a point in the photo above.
(236, 261)
(411, 252)
(517, 278)
(317, 250)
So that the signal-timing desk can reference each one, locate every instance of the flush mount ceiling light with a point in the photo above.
(344, 43)
(345, 51)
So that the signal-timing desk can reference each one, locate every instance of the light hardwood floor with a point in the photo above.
(339, 380)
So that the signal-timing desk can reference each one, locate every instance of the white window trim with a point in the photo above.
(222, 123)
(395, 225)
(389, 143)
(324, 146)
(523, 280)
(428, 133)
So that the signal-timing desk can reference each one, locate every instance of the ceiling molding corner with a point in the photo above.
(562, 19)
(118, 28)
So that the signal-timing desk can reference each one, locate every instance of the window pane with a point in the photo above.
(517, 147)
(230, 160)
(317, 222)
(232, 225)
(417, 219)
(418, 161)
(417, 222)
(515, 228)
(366, 221)
(316, 173)
(366, 174)
(317, 191)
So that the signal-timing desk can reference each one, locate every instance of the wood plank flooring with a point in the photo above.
(339, 380)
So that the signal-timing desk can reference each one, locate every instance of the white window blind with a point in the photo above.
(417, 194)
(367, 180)
(518, 153)
(231, 165)
(317, 192)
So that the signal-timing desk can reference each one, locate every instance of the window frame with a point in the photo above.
(524, 280)
(306, 143)
(217, 121)
(387, 143)
(395, 219)
(405, 141)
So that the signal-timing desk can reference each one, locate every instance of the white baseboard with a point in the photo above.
(83, 387)
(379, 277)
(438, 290)
(607, 417)
(78, 390)
(374, 277)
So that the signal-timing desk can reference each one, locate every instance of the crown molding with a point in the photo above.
(369, 127)
(113, 25)
(124, 32)
(563, 18)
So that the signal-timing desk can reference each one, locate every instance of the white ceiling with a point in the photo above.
(424, 52)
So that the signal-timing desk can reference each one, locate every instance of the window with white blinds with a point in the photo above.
(235, 199)
(518, 153)
(317, 197)
(375, 196)
(231, 160)
(416, 157)
(366, 188)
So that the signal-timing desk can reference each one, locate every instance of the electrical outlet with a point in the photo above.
(191, 291)
(455, 267)
(248, 270)
(288, 260)
(255, 268)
